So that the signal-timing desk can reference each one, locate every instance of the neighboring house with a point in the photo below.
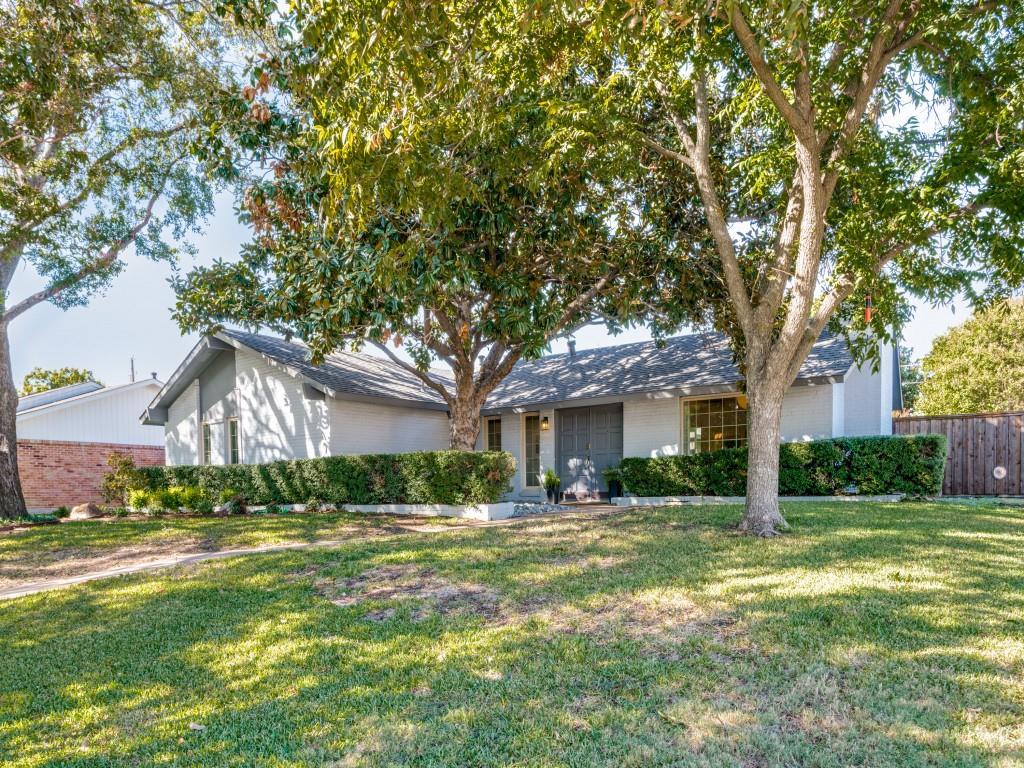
(65, 436)
(241, 397)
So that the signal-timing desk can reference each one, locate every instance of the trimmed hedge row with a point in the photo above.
(910, 464)
(429, 477)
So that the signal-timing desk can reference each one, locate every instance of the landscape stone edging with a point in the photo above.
(663, 501)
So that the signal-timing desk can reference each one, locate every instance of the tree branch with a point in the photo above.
(103, 262)
(664, 151)
(423, 376)
(700, 154)
(748, 41)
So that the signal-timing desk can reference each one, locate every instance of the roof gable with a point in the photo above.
(85, 398)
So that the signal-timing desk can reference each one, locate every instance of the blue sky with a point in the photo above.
(133, 318)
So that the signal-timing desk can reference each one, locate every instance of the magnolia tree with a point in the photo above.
(98, 103)
(475, 251)
(839, 152)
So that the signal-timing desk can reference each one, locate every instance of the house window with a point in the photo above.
(233, 452)
(494, 434)
(715, 423)
(207, 445)
(531, 449)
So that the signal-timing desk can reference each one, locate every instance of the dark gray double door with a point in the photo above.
(589, 440)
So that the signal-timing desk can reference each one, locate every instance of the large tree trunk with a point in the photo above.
(762, 516)
(465, 421)
(12, 502)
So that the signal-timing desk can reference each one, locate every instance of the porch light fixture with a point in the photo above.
(545, 424)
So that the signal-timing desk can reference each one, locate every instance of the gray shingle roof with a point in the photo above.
(684, 363)
(692, 362)
(344, 371)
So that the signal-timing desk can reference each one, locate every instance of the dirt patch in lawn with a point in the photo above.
(659, 620)
(430, 593)
(67, 562)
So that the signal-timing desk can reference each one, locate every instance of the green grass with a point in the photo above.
(875, 635)
(77, 547)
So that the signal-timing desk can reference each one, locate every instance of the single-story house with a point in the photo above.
(66, 434)
(250, 398)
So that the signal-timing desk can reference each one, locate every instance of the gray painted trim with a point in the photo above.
(193, 364)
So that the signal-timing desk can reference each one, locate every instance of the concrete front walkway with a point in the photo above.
(190, 558)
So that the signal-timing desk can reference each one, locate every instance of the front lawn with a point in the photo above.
(875, 635)
(73, 548)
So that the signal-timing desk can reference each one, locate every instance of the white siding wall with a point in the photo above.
(357, 427)
(651, 427)
(807, 413)
(111, 417)
(869, 396)
(275, 420)
(181, 432)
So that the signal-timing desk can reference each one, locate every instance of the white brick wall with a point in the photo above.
(807, 413)
(869, 396)
(357, 427)
(651, 427)
(181, 433)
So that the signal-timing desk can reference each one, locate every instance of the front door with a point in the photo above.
(589, 440)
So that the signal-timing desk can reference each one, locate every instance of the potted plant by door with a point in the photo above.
(551, 483)
(613, 479)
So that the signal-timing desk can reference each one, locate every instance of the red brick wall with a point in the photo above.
(56, 473)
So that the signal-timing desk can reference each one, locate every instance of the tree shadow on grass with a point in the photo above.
(800, 673)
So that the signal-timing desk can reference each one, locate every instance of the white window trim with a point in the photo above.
(522, 449)
(205, 443)
(487, 441)
(684, 435)
(238, 429)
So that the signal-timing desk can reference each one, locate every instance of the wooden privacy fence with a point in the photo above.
(986, 451)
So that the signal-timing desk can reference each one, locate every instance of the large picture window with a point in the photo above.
(494, 434)
(531, 449)
(715, 423)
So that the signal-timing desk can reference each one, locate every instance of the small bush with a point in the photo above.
(61, 512)
(910, 464)
(428, 477)
(139, 498)
(122, 478)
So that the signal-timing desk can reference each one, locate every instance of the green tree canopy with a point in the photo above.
(835, 150)
(480, 253)
(977, 367)
(99, 109)
(910, 379)
(44, 379)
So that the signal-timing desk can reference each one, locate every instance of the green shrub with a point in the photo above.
(427, 477)
(910, 464)
(122, 479)
(61, 512)
(139, 498)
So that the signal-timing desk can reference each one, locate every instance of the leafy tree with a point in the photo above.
(43, 380)
(910, 379)
(816, 181)
(476, 255)
(98, 104)
(977, 367)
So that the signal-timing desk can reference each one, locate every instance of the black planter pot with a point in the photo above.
(552, 495)
(614, 489)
